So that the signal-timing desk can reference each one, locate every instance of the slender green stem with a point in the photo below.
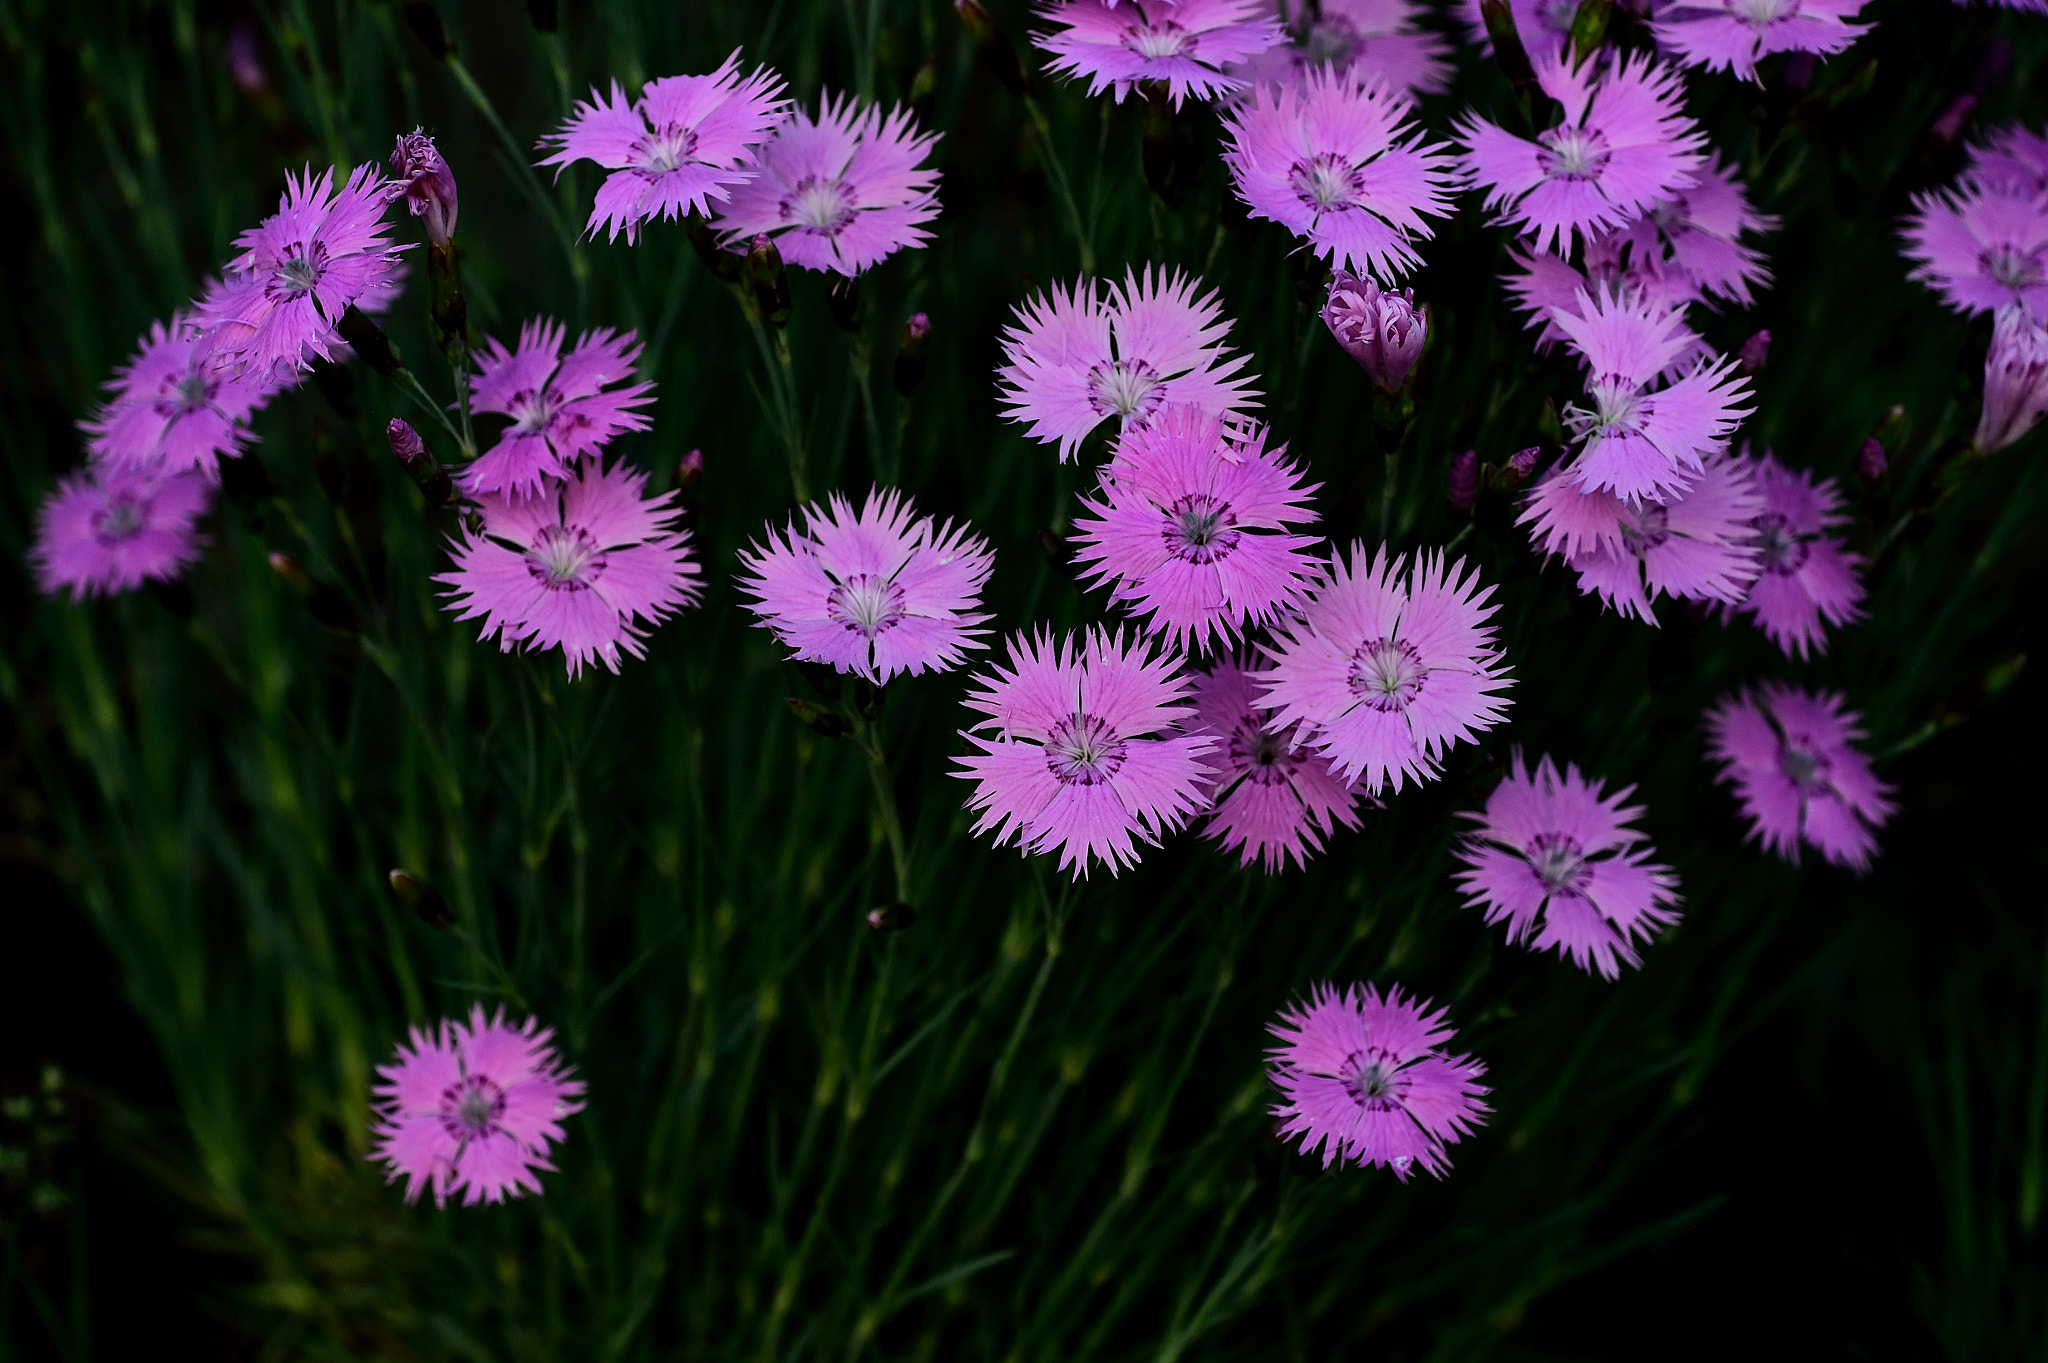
(870, 739)
(781, 374)
(409, 384)
(881, 457)
(1393, 457)
(529, 182)
(1083, 239)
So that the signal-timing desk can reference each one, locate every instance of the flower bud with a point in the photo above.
(1750, 358)
(1463, 480)
(819, 720)
(2015, 379)
(411, 450)
(1508, 48)
(426, 182)
(1383, 331)
(891, 917)
(369, 342)
(1522, 463)
(771, 283)
(689, 472)
(1870, 460)
(405, 441)
(244, 61)
(910, 353)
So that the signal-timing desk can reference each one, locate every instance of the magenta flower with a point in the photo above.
(840, 192)
(2016, 158)
(1808, 576)
(473, 1108)
(1692, 241)
(873, 593)
(1559, 850)
(1340, 163)
(108, 530)
(1545, 284)
(685, 144)
(423, 179)
(323, 252)
(1083, 752)
(561, 406)
(1625, 143)
(1981, 248)
(172, 409)
(2015, 380)
(587, 568)
(1365, 39)
(1183, 45)
(1364, 1079)
(1734, 35)
(1190, 529)
(1274, 800)
(1074, 358)
(1638, 443)
(1790, 758)
(1389, 665)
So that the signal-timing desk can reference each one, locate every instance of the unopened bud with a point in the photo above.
(910, 353)
(997, 55)
(411, 450)
(1750, 358)
(405, 441)
(1870, 460)
(2015, 379)
(891, 917)
(1383, 331)
(1949, 124)
(426, 182)
(1522, 463)
(244, 61)
(289, 568)
(1463, 480)
(770, 282)
(689, 472)
(423, 899)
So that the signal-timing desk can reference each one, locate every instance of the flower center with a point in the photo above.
(1783, 551)
(1326, 181)
(1082, 751)
(1262, 757)
(1762, 12)
(668, 149)
(1557, 15)
(1198, 529)
(471, 1107)
(821, 203)
(565, 559)
(1644, 530)
(1387, 674)
(1573, 153)
(2013, 268)
(1373, 1080)
(121, 518)
(1155, 44)
(186, 394)
(1124, 387)
(299, 273)
(531, 412)
(866, 605)
(1805, 767)
(1614, 409)
(1557, 860)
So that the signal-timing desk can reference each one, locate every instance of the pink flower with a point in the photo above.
(1181, 44)
(1362, 38)
(840, 192)
(1788, 755)
(1693, 241)
(1982, 247)
(172, 409)
(1556, 848)
(323, 252)
(686, 143)
(1638, 443)
(1808, 577)
(874, 593)
(1273, 799)
(1083, 751)
(2016, 158)
(2015, 380)
(109, 530)
(1339, 163)
(587, 567)
(473, 1108)
(423, 179)
(1625, 142)
(1073, 357)
(1364, 1079)
(1190, 529)
(1734, 35)
(1545, 284)
(561, 406)
(1389, 665)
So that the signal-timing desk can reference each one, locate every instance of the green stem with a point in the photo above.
(782, 386)
(870, 739)
(529, 182)
(409, 385)
(1083, 240)
(882, 458)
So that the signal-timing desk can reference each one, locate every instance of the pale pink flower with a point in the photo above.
(1364, 1079)
(1190, 529)
(1790, 757)
(1554, 857)
(563, 407)
(876, 592)
(1388, 666)
(1074, 357)
(1273, 800)
(842, 192)
(108, 530)
(1365, 39)
(2015, 157)
(1081, 750)
(587, 567)
(2015, 380)
(1694, 240)
(1734, 35)
(1809, 581)
(684, 145)
(173, 409)
(473, 1108)
(1183, 45)
(1543, 284)
(1982, 247)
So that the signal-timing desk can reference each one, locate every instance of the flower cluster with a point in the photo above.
(1365, 39)
(1186, 48)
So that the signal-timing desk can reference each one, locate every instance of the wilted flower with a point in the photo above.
(1361, 38)
(428, 186)
(107, 530)
(1274, 800)
(1381, 330)
(1808, 579)
(1182, 45)
(588, 567)
(1364, 1079)
(1073, 357)
(562, 406)
(876, 592)
(1559, 851)
(473, 1108)
(1790, 758)
(1733, 35)
(172, 409)
(2015, 380)
(840, 192)
(1982, 247)
(1082, 751)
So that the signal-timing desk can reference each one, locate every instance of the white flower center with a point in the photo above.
(866, 605)
(1156, 44)
(668, 149)
(121, 518)
(1198, 529)
(1081, 751)
(1374, 1080)
(1557, 860)
(471, 1107)
(2012, 268)
(821, 203)
(1573, 153)
(1646, 529)
(298, 273)
(1387, 674)
(1762, 12)
(1783, 551)
(1125, 388)
(1325, 181)
(1614, 409)
(1262, 757)
(1804, 765)
(565, 559)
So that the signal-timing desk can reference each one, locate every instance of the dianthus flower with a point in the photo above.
(561, 406)
(2014, 158)
(1384, 331)
(1808, 580)
(1791, 759)
(1982, 247)
(840, 192)
(172, 409)
(1389, 665)
(1364, 1079)
(1083, 752)
(1693, 240)
(1274, 800)
(874, 592)
(1361, 38)
(1339, 163)
(1558, 850)
(422, 178)
(586, 567)
(323, 252)
(1625, 142)
(1073, 357)
(1190, 529)
(1638, 443)
(1734, 35)
(1182, 45)
(2015, 380)
(685, 144)
(109, 530)
(473, 1108)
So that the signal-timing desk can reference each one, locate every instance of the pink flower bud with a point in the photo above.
(1870, 461)
(1383, 331)
(2015, 379)
(405, 441)
(690, 471)
(1464, 480)
(427, 183)
(1522, 463)
(1751, 357)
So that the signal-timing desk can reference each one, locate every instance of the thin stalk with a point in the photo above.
(870, 739)
(1083, 239)
(782, 385)
(409, 384)
(529, 183)
(882, 458)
